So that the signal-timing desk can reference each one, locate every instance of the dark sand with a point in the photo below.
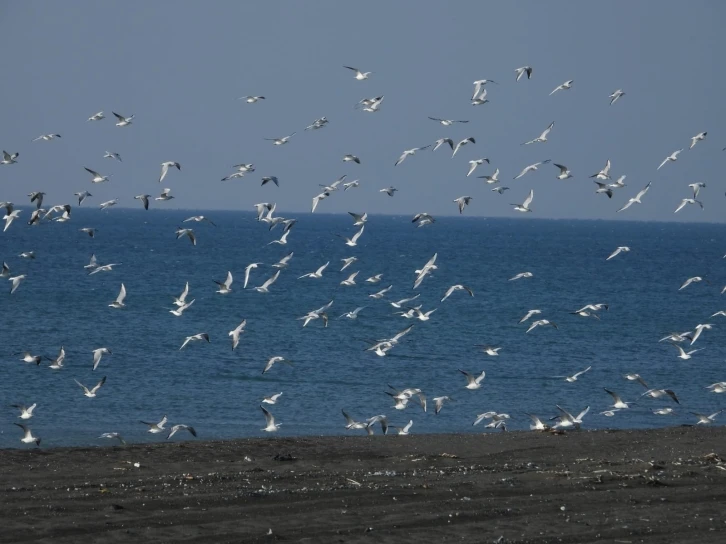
(619, 486)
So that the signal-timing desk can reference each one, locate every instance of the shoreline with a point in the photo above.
(652, 485)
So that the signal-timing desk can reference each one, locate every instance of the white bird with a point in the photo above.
(500, 190)
(604, 173)
(347, 262)
(317, 274)
(156, 428)
(353, 314)
(97, 116)
(353, 241)
(236, 332)
(491, 350)
(165, 168)
(272, 361)
(457, 287)
(658, 393)
(537, 424)
(408, 152)
(718, 387)
(350, 281)
(372, 105)
(619, 183)
(403, 301)
(698, 330)
(248, 268)
(523, 70)
(189, 233)
(112, 155)
(281, 141)
(104, 268)
(541, 323)
(90, 231)
(636, 199)
(144, 200)
(636, 377)
(381, 293)
(351, 185)
(575, 376)
(360, 76)
(672, 157)
(619, 403)
(265, 287)
(702, 419)
(91, 393)
(272, 399)
(390, 191)
(352, 424)
(28, 437)
(108, 204)
(441, 141)
(426, 270)
(617, 252)
(57, 363)
(564, 172)
(15, 280)
(697, 138)
(26, 412)
(603, 188)
(181, 309)
(568, 420)
(403, 431)
(83, 195)
(494, 178)
(524, 206)
(688, 201)
(663, 411)
(10, 217)
(165, 195)
(226, 286)
(479, 85)
(439, 403)
(473, 382)
(565, 86)
(181, 427)
(520, 276)
(283, 263)
(318, 198)
(98, 354)
(462, 202)
(529, 314)
(375, 279)
(682, 354)
(181, 300)
(697, 186)
(542, 137)
(447, 122)
(194, 338)
(481, 99)
(9, 158)
(615, 96)
(123, 121)
(119, 302)
(531, 167)
(5, 271)
(689, 281)
(251, 99)
(462, 143)
(473, 165)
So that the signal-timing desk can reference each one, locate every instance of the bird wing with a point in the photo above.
(121, 294)
(98, 385)
(642, 193)
(529, 199)
(164, 170)
(682, 205)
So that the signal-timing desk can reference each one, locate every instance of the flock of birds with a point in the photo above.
(405, 307)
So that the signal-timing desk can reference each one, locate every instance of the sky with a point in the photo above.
(179, 67)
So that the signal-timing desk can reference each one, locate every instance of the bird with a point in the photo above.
(375, 279)
(119, 302)
(108, 204)
(462, 143)
(272, 399)
(317, 274)
(123, 121)
(686, 201)
(697, 138)
(439, 403)
(619, 403)
(663, 411)
(564, 171)
(520, 276)
(265, 287)
(226, 286)
(29, 358)
(26, 412)
(479, 86)
(636, 377)
(112, 155)
(27, 255)
(697, 186)
(449, 122)
(57, 363)
(618, 251)
(102, 268)
(541, 323)
(353, 241)
(682, 354)
(426, 270)
(5, 271)
(318, 198)
(403, 431)
(156, 428)
(281, 141)
(689, 281)
(390, 191)
(531, 167)
(97, 116)
(698, 330)
(268, 179)
(473, 382)
(350, 281)
(657, 393)
(37, 197)
(719, 387)
(195, 337)
(524, 70)
(352, 424)
(90, 231)
(604, 173)
(28, 437)
(251, 99)
(272, 361)
(359, 75)
(15, 280)
(702, 419)
(500, 190)
(618, 184)
(144, 200)
(529, 314)
(116, 436)
(615, 96)
(181, 427)
(165, 168)
(165, 195)
(524, 206)
(409, 152)
(351, 185)
(565, 86)
(441, 141)
(347, 262)
(83, 195)
(542, 137)
(490, 350)
(462, 202)
(473, 164)
(98, 354)
(284, 262)
(199, 219)
(189, 233)
(494, 178)
(181, 309)
(457, 287)
(603, 188)
(636, 199)
(353, 314)
(672, 158)
(91, 393)
(575, 376)
(537, 424)
(568, 420)
(181, 299)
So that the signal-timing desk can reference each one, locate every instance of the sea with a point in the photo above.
(218, 390)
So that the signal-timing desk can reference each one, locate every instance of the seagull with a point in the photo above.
(657, 393)
(144, 199)
(9, 158)
(226, 286)
(181, 309)
(719, 387)
(248, 268)
(537, 424)
(317, 274)
(57, 363)
(350, 281)
(156, 428)
(27, 255)
(474, 164)
(114, 435)
(111, 155)
(29, 358)
(352, 424)
(689, 281)
(265, 287)
(491, 350)
(347, 262)
(672, 157)
(359, 219)
(604, 173)
(274, 360)
(97, 178)
(282, 263)
(351, 185)
(83, 195)
(389, 191)
(272, 399)
(5, 271)
(500, 190)
(531, 167)
(529, 314)
(199, 219)
(702, 419)
(614, 97)
(617, 252)
(473, 382)
(28, 437)
(123, 121)
(423, 218)
(542, 137)
(281, 141)
(637, 198)
(441, 141)
(697, 186)
(181, 427)
(458, 287)
(426, 270)
(481, 99)
(565, 86)
(439, 403)
(479, 85)
(188, 233)
(619, 404)
(463, 201)
(268, 179)
(37, 197)
(568, 420)
(251, 99)
(698, 330)
(105, 268)
(97, 354)
(688, 201)
(663, 411)
(541, 323)
(573, 378)
(360, 76)
(697, 138)
(618, 184)
(195, 337)
(494, 178)
(318, 198)
(400, 303)
(353, 314)
(181, 300)
(119, 302)
(463, 142)
(91, 232)
(524, 206)
(97, 116)
(16, 282)
(108, 204)
(636, 377)
(408, 152)
(520, 276)
(564, 171)
(353, 241)
(91, 393)
(165, 195)
(375, 279)
(603, 188)
(165, 168)
(381, 293)
(26, 412)
(449, 122)
(403, 431)
(524, 70)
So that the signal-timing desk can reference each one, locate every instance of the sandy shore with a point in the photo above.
(662, 485)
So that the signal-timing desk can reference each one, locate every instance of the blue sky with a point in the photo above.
(180, 66)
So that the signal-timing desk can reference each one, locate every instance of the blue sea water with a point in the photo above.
(218, 390)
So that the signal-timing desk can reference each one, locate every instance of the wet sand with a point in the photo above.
(666, 485)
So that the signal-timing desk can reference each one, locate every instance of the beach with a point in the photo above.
(664, 485)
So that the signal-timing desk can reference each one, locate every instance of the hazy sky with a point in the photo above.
(179, 66)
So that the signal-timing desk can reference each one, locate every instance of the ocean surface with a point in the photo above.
(218, 390)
